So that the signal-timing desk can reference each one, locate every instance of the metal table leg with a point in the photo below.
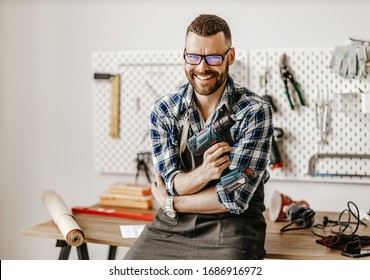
(112, 252)
(82, 252)
(64, 251)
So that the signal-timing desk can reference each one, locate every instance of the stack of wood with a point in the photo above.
(128, 196)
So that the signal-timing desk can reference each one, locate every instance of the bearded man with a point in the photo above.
(198, 219)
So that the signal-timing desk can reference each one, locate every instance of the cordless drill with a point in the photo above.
(213, 133)
(217, 132)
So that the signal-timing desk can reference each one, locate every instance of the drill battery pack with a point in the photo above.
(236, 178)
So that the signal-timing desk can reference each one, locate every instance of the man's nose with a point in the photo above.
(203, 66)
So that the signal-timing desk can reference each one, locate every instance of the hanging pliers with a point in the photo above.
(287, 75)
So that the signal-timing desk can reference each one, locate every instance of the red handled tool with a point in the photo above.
(114, 213)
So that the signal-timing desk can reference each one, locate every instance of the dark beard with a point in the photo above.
(208, 89)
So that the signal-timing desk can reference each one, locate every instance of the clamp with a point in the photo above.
(141, 159)
(287, 75)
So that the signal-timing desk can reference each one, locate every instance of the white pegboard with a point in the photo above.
(348, 130)
(145, 76)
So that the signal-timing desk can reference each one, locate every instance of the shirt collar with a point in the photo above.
(226, 98)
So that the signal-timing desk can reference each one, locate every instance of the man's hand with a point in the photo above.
(159, 191)
(215, 162)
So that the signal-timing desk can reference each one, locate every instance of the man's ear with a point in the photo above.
(231, 56)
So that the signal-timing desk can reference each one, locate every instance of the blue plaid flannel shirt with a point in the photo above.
(251, 134)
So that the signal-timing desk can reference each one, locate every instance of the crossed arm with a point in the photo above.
(192, 197)
(252, 149)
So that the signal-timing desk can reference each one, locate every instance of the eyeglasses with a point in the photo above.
(211, 59)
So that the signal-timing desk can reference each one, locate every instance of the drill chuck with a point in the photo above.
(222, 126)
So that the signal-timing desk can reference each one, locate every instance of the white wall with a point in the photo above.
(46, 124)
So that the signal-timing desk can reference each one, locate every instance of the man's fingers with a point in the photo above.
(224, 166)
(219, 152)
(222, 151)
(154, 184)
(217, 171)
(215, 147)
(159, 180)
(158, 177)
(221, 160)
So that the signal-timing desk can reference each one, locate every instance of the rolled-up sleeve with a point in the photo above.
(251, 150)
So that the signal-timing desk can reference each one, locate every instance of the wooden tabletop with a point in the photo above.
(297, 244)
(97, 229)
(301, 244)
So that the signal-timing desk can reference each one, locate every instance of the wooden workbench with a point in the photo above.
(298, 244)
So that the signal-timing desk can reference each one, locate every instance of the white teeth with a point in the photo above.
(204, 77)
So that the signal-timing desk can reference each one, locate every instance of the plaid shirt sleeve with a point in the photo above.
(252, 150)
(165, 149)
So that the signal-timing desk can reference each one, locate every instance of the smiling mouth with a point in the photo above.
(204, 77)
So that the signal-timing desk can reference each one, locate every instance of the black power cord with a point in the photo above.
(339, 240)
(299, 215)
(341, 225)
(349, 219)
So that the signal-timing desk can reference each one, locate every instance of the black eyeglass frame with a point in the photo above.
(205, 57)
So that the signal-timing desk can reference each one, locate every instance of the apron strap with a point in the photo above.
(184, 141)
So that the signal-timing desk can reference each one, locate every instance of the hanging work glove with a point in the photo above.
(352, 61)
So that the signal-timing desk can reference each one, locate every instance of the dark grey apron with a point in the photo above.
(204, 236)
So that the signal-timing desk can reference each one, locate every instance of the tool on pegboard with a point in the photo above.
(322, 115)
(263, 85)
(312, 165)
(115, 101)
(286, 75)
(276, 160)
(142, 160)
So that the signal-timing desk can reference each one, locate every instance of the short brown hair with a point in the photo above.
(207, 25)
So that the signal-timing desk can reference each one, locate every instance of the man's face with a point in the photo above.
(204, 78)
